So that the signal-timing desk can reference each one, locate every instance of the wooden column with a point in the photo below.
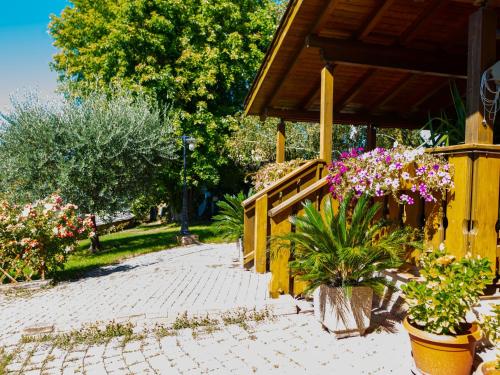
(371, 137)
(280, 142)
(326, 114)
(481, 55)
(260, 234)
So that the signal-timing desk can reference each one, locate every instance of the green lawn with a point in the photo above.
(129, 243)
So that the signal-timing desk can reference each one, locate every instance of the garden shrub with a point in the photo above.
(272, 172)
(36, 238)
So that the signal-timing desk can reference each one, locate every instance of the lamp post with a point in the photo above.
(190, 142)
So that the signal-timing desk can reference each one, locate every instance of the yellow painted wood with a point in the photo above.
(395, 210)
(413, 213)
(279, 258)
(484, 211)
(280, 142)
(248, 236)
(260, 236)
(433, 228)
(458, 206)
(326, 114)
(299, 286)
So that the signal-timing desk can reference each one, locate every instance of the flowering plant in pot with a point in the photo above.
(442, 340)
(490, 325)
(340, 256)
(402, 172)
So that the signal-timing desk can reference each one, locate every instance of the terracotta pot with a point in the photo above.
(342, 314)
(442, 354)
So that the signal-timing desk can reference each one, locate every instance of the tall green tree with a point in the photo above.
(201, 55)
(100, 153)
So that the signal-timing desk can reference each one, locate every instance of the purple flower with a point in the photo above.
(435, 167)
(406, 199)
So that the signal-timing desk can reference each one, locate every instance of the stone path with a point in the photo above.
(148, 288)
(155, 288)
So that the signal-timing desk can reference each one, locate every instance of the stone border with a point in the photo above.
(26, 285)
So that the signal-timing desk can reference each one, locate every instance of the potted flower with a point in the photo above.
(491, 327)
(442, 340)
(340, 256)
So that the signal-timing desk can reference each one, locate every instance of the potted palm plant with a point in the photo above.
(442, 340)
(341, 256)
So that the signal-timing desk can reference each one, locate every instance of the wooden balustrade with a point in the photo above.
(467, 219)
(257, 222)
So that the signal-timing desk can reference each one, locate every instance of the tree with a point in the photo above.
(99, 153)
(200, 55)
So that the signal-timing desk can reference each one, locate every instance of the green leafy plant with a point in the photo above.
(346, 249)
(491, 325)
(447, 130)
(440, 301)
(229, 221)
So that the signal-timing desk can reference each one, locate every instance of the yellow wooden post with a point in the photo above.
(280, 142)
(481, 55)
(433, 229)
(458, 207)
(248, 237)
(260, 234)
(326, 114)
(484, 208)
(280, 278)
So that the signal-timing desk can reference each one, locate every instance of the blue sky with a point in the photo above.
(26, 48)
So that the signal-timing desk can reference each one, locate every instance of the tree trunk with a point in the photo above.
(95, 244)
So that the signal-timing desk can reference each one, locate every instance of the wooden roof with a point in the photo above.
(393, 60)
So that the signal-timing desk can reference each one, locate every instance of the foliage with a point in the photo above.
(35, 239)
(444, 130)
(201, 56)
(491, 325)
(448, 291)
(229, 220)
(388, 171)
(346, 249)
(272, 172)
(99, 153)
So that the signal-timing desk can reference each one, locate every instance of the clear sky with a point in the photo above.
(26, 48)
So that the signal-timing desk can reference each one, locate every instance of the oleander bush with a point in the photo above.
(36, 238)
(272, 172)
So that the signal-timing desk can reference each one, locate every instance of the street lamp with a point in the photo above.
(191, 143)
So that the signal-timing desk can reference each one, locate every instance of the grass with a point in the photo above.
(129, 243)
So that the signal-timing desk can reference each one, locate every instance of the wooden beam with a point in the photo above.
(279, 86)
(390, 120)
(324, 15)
(371, 137)
(326, 114)
(392, 58)
(280, 142)
(391, 92)
(354, 90)
(374, 18)
(482, 54)
(429, 95)
(421, 21)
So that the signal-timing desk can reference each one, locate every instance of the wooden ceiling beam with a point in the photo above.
(392, 92)
(374, 18)
(325, 14)
(421, 21)
(415, 106)
(354, 90)
(389, 57)
(392, 120)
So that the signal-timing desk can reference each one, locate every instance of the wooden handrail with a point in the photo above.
(281, 181)
(298, 197)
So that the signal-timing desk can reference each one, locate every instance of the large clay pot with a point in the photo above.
(342, 313)
(489, 368)
(442, 354)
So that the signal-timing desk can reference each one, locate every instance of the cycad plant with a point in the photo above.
(345, 249)
(229, 220)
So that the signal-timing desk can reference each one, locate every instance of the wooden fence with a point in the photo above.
(466, 219)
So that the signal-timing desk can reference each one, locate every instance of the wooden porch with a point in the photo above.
(379, 64)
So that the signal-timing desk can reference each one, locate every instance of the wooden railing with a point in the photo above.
(467, 219)
(257, 221)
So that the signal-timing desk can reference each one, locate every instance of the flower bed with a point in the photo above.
(36, 238)
(395, 172)
(272, 172)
